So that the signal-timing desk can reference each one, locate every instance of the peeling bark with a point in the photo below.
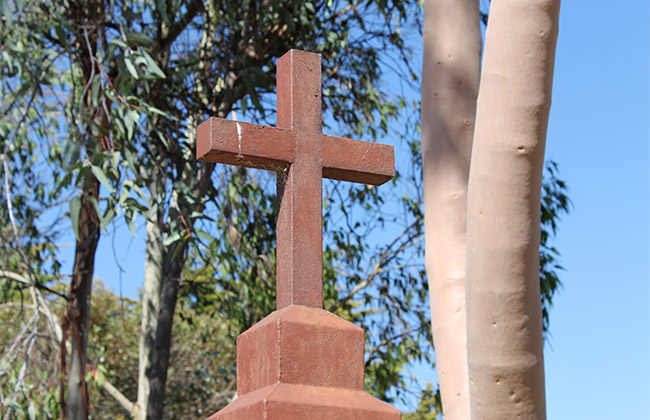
(450, 76)
(77, 315)
(504, 314)
(88, 17)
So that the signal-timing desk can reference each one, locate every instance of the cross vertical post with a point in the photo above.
(299, 225)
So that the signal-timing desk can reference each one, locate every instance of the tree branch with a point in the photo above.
(386, 257)
(41, 305)
(177, 27)
(132, 408)
(20, 279)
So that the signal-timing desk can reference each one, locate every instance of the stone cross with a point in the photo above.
(301, 155)
(300, 362)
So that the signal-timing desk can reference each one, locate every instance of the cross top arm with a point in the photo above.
(271, 148)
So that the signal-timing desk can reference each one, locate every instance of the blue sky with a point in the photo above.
(597, 363)
(597, 357)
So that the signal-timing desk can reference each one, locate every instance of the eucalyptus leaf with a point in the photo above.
(5, 10)
(101, 177)
(130, 67)
(130, 223)
(75, 207)
(139, 38)
(32, 411)
(95, 204)
(171, 238)
(161, 8)
(140, 193)
(108, 218)
(152, 66)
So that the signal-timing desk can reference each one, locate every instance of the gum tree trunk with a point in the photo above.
(504, 316)
(173, 260)
(78, 312)
(450, 76)
(154, 273)
(77, 316)
(153, 276)
(162, 345)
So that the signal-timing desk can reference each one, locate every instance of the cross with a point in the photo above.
(301, 155)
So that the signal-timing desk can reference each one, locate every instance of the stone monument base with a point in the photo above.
(303, 402)
(303, 363)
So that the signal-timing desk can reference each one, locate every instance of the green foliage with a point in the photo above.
(235, 276)
(112, 350)
(130, 110)
(202, 374)
(28, 72)
(429, 406)
(555, 203)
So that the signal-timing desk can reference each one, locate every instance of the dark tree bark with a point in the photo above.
(162, 345)
(78, 311)
(87, 18)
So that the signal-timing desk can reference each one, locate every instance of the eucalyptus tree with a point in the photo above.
(451, 68)
(487, 258)
(503, 293)
(137, 79)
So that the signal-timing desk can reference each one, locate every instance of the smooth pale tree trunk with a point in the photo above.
(153, 280)
(153, 275)
(450, 77)
(173, 261)
(160, 294)
(153, 267)
(504, 315)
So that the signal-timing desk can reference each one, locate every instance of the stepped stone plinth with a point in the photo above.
(303, 363)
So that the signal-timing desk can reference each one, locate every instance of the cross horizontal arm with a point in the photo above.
(264, 147)
(244, 144)
(357, 161)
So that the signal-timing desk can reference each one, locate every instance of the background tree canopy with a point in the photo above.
(99, 105)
